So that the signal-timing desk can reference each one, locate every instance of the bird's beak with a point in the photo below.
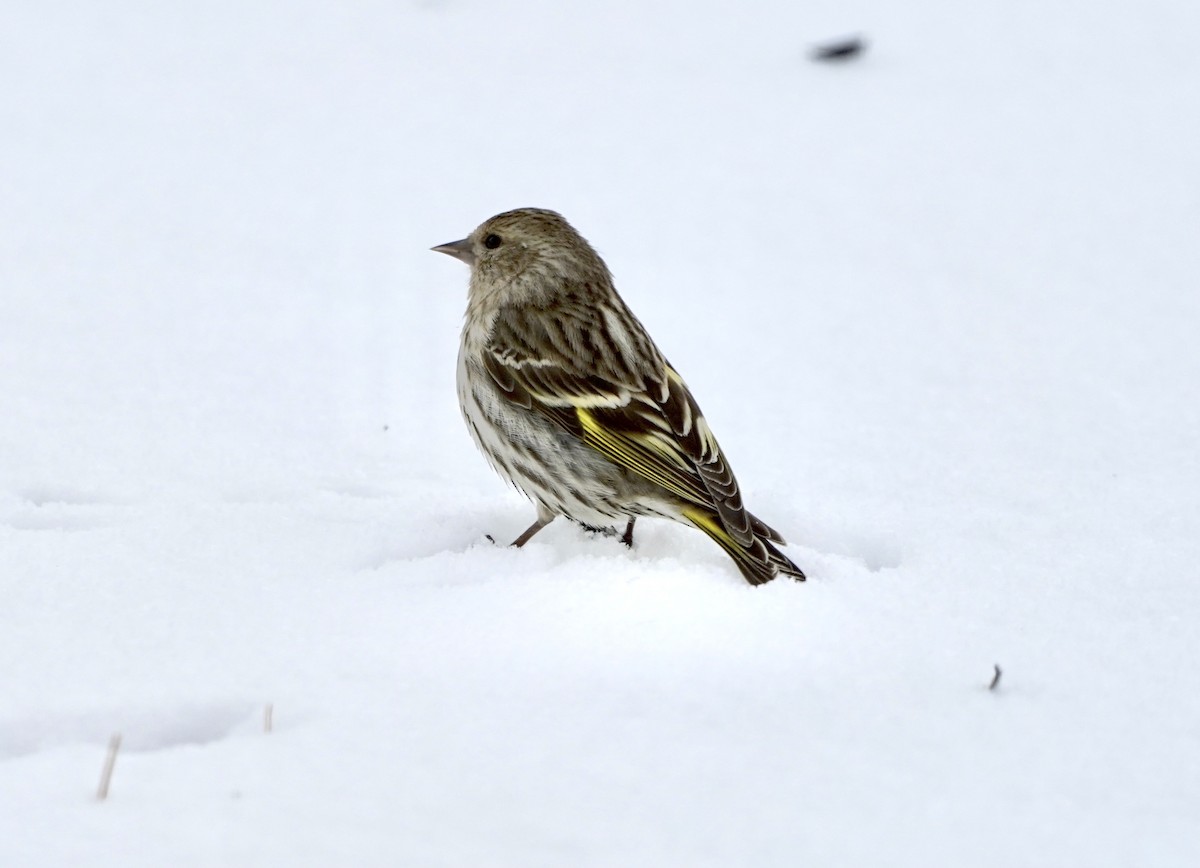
(458, 249)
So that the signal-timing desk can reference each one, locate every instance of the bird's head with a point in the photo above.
(527, 256)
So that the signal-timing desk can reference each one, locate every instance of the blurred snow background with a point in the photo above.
(939, 303)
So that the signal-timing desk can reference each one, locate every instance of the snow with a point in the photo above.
(938, 302)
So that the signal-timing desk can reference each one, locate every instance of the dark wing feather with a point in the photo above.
(637, 412)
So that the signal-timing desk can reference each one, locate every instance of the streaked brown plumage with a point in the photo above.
(571, 401)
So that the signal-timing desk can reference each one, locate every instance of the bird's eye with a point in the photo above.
(491, 242)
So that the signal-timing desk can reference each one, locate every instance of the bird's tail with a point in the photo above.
(759, 561)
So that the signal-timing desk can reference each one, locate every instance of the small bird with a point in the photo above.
(570, 400)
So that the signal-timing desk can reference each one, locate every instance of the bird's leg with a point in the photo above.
(627, 537)
(542, 521)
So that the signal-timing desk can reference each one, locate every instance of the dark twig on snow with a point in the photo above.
(840, 49)
(996, 677)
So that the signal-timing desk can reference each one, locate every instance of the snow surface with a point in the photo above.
(939, 304)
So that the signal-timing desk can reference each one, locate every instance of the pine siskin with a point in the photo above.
(570, 400)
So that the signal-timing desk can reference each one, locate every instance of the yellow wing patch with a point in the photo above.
(644, 454)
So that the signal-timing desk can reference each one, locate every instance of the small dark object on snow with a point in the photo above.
(840, 49)
(995, 678)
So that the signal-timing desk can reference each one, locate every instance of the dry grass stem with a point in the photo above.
(110, 762)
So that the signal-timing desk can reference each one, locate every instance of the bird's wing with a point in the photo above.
(637, 412)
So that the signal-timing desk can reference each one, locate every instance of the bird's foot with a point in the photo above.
(625, 538)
